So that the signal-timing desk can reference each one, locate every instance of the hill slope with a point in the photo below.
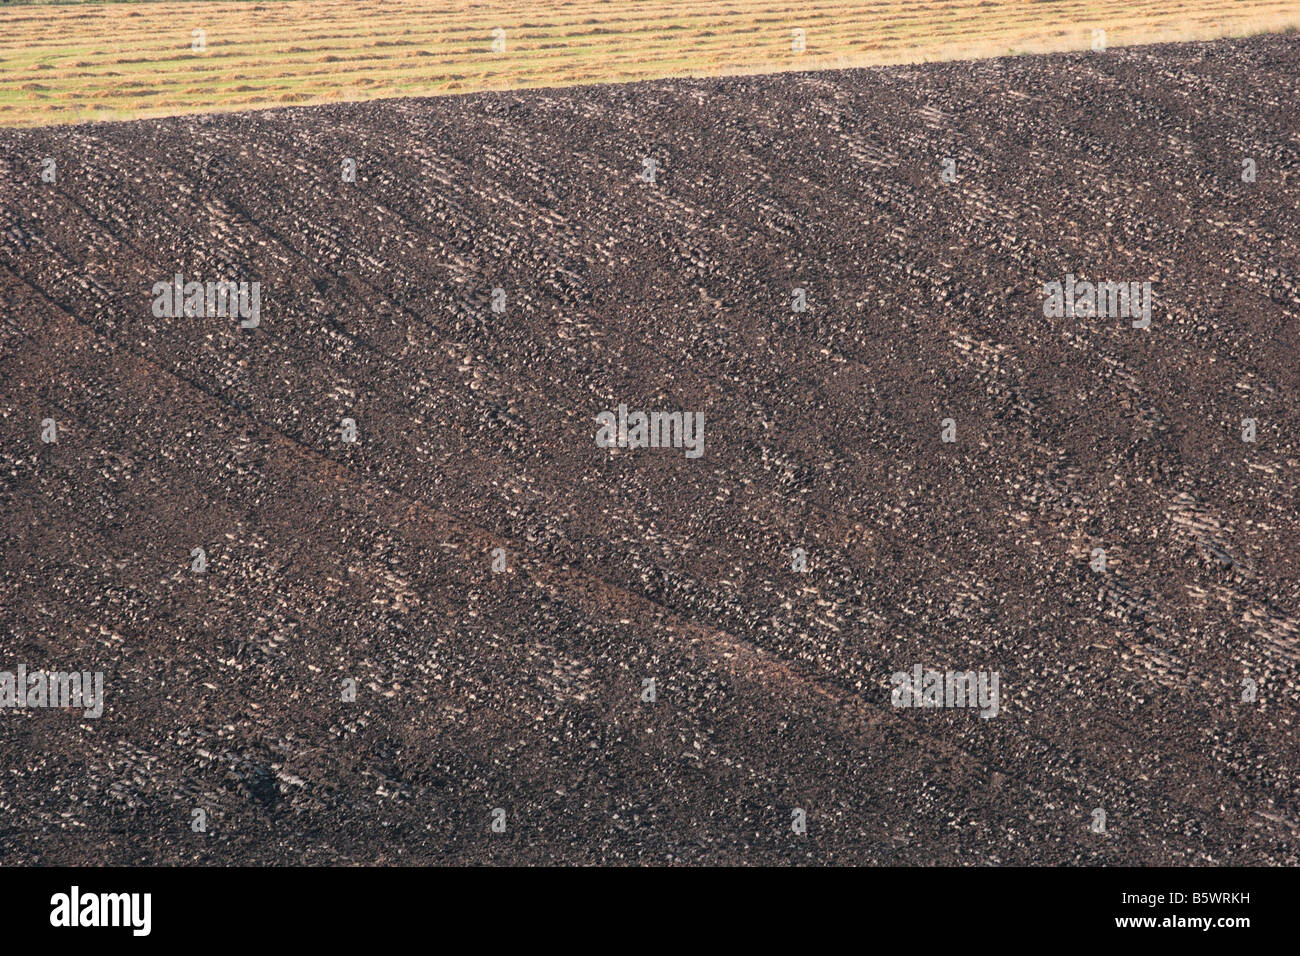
(372, 561)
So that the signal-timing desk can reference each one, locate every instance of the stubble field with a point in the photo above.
(78, 62)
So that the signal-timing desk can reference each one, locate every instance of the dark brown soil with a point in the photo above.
(1121, 690)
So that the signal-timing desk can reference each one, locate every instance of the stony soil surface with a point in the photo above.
(1121, 689)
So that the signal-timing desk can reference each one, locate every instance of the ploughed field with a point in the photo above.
(1121, 689)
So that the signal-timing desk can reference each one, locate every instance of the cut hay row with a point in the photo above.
(120, 60)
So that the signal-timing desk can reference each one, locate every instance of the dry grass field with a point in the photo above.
(78, 62)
